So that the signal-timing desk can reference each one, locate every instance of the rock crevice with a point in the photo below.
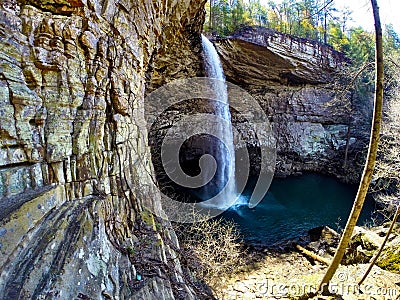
(74, 160)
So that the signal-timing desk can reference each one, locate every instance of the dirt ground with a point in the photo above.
(273, 275)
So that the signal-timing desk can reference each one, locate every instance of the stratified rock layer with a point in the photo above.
(301, 86)
(74, 160)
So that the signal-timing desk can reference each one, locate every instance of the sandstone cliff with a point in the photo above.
(301, 86)
(75, 164)
(74, 161)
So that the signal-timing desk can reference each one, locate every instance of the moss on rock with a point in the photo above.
(390, 260)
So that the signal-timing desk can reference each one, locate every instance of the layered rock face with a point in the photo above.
(74, 160)
(75, 164)
(300, 85)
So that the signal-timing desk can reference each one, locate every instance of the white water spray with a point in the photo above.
(225, 154)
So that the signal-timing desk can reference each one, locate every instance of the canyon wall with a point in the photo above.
(75, 165)
(74, 162)
(302, 87)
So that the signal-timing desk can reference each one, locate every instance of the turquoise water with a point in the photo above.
(295, 205)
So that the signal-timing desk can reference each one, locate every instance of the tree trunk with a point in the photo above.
(370, 163)
(374, 260)
(325, 25)
(210, 22)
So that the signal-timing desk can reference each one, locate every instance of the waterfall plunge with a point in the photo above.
(223, 152)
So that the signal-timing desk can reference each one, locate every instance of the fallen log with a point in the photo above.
(313, 255)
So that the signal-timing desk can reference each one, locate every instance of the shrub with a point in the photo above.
(211, 249)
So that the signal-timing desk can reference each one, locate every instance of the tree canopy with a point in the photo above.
(317, 20)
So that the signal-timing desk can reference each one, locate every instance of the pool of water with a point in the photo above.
(295, 205)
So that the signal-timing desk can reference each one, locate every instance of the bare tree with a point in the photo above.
(387, 171)
(371, 157)
(376, 256)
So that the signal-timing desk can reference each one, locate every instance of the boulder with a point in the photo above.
(324, 240)
(362, 246)
(390, 257)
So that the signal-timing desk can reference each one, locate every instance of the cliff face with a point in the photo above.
(74, 160)
(301, 86)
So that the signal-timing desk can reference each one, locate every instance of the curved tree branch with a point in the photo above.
(371, 158)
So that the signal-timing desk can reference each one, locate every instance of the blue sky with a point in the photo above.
(362, 13)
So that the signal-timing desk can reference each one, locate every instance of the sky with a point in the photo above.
(362, 13)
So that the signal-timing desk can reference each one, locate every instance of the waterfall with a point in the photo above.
(224, 180)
